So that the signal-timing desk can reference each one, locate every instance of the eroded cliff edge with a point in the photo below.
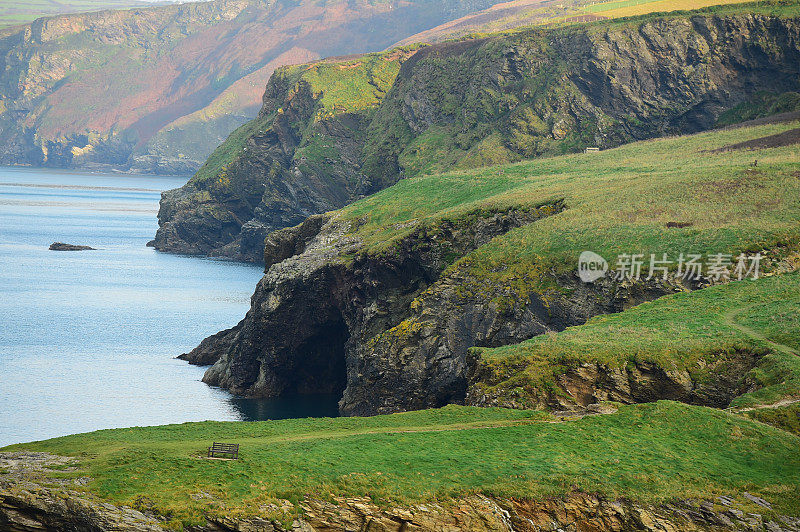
(390, 329)
(332, 132)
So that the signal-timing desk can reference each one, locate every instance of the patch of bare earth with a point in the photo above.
(787, 138)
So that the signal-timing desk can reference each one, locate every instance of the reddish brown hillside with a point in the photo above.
(155, 86)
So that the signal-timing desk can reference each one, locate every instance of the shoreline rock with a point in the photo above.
(388, 330)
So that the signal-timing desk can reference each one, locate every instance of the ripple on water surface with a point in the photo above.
(88, 338)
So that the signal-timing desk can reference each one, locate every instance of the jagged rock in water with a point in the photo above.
(61, 246)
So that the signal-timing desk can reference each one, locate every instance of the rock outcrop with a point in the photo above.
(575, 511)
(469, 103)
(31, 502)
(389, 330)
(61, 246)
(583, 385)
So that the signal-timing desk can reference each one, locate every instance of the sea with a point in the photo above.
(88, 339)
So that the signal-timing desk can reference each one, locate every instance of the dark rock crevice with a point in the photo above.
(320, 361)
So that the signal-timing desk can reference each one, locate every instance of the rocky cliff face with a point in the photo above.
(388, 330)
(390, 327)
(157, 89)
(299, 157)
(466, 104)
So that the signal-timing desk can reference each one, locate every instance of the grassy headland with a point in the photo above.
(13, 12)
(651, 452)
(692, 331)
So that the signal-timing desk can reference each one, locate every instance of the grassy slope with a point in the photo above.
(618, 201)
(786, 417)
(676, 332)
(649, 452)
(761, 105)
(350, 86)
(629, 8)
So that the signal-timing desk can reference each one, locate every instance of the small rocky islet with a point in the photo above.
(61, 246)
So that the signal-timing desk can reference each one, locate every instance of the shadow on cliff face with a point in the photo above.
(322, 324)
(286, 407)
(321, 367)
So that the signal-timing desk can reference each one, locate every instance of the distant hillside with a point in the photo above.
(158, 88)
(518, 13)
(14, 12)
(500, 17)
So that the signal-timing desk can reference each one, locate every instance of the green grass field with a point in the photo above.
(621, 201)
(650, 452)
(13, 12)
(632, 10)
(618, 201)
(628, 8)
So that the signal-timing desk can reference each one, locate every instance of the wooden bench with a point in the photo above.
(226, 450)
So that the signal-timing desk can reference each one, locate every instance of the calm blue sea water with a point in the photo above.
(88, 339)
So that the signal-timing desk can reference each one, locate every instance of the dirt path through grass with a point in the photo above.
(730, 319)
(322, 435)
(779, 404)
